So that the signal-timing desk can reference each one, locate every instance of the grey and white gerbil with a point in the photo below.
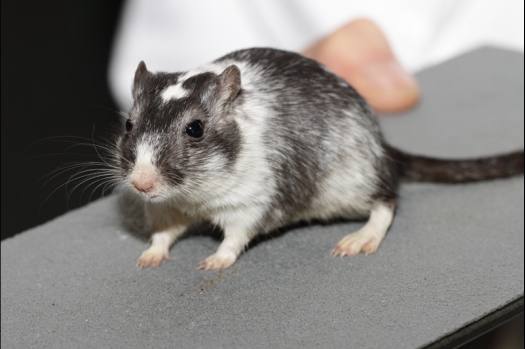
(261, 139)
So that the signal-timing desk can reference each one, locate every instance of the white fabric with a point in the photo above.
(180, 35)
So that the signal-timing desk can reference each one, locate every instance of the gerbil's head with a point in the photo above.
(181, 138)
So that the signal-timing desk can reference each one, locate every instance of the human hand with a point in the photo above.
(359, 53)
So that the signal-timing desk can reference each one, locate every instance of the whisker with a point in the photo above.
(86, 178)
(103, 184)
(58, 139)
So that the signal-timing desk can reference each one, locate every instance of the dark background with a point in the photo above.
(54, 83)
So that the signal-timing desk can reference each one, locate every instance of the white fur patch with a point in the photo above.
(145, 155)
(177, 91)
(144, 164)
(174, 92)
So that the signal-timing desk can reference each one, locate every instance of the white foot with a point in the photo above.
(368, 238)
(354, 243)
(217, 261)
(153, 256)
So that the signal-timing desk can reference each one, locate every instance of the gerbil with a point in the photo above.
(261, 139)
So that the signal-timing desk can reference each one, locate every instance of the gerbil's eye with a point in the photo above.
(129, 125)
(195, 129)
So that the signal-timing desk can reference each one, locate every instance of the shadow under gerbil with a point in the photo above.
(279, 232)
(133, 220)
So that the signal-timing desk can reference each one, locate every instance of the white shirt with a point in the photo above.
(179, 35)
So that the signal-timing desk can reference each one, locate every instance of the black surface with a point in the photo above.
(482, 328)
(54, 65)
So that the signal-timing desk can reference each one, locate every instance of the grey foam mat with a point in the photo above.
(454, 253)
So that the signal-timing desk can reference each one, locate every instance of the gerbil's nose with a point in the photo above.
(144, 183)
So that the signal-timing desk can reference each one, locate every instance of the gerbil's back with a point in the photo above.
(296, 79)
(319, 131)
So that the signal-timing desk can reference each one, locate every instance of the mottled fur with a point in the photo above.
(284, 140)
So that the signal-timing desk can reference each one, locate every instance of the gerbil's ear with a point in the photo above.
(141, 71)
(229, 83)
(223, 91)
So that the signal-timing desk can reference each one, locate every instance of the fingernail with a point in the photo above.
(387, 74)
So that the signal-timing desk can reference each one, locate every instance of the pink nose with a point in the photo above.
(144, 184)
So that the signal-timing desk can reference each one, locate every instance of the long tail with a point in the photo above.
(425, 169)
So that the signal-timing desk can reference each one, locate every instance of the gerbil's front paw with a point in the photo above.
(217, 261)
(352, 244)
(153, 256)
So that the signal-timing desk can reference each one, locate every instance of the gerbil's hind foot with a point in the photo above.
(368, 238)
(153, 256)
(361, 241)
(217, 261)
